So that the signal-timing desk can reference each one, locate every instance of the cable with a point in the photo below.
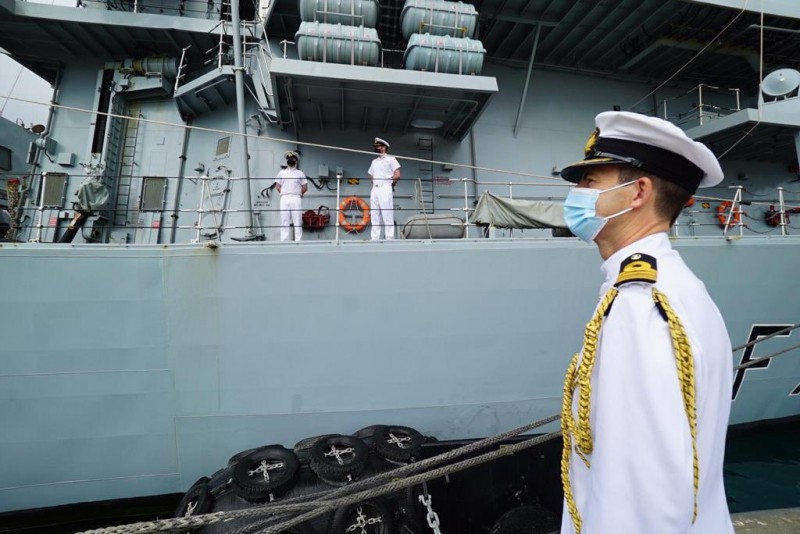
(287, 141)
(760, 77)
(712, 41)
(13, 86)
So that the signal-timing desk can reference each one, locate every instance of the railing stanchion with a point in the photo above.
(338, 193)
(466, 209)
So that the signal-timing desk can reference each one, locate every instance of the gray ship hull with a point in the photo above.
(171, 359)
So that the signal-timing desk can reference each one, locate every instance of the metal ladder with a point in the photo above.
(425, 174)
(127, 169)
(112, 159)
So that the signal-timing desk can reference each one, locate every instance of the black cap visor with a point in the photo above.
(574, 172)
(654, 160)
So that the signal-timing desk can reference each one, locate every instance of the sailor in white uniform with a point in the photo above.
(647, 399)
(292, 184)
(384, 172)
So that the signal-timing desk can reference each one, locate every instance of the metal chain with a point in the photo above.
(339, 453)
(431, 516)
(331, 499)
(264, 469)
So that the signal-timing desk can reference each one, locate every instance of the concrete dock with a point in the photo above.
(783, 521)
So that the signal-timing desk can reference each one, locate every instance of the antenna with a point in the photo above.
(780, 84)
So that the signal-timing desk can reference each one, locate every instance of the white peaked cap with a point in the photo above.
(652, 144)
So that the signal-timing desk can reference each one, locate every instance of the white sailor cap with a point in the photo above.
(651, 144)
(379, 141)
(291, 154)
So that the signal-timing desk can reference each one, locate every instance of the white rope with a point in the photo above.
(760, 77)
(278, 140)
(712, 41)
(13, 86)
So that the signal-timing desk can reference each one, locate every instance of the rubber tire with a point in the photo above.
(392, 452)
(198, 493)
(221, 480)
(303, 447)
(366, 434)
(525, 519)
(411, 510)
(343, 517)
(329, 469)
(239, 455)
(306, 443)
(245, 487)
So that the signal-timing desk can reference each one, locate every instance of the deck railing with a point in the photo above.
(734, 212)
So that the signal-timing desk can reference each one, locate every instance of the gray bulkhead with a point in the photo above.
(554, 123)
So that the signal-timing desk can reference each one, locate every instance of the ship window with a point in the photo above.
(153, 189)
(54, 188)
(5, 159)
(223, 147)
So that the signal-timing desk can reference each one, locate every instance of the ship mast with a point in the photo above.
(239, 78)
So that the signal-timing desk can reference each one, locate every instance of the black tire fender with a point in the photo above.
(398, 443)
(339, 458)
(268, 471)
(365, 434)
(221, 480)
(196, 501)
(239, 455)
(373, 516)
(412, 511)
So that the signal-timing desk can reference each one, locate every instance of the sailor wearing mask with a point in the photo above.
(647, 399)
(384, 172)
(292, 184)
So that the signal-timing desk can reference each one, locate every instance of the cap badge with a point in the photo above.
(637, 268)
(588, 150)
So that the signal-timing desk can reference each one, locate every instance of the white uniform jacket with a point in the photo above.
(640, 478)
(291, 181)
(382, 168)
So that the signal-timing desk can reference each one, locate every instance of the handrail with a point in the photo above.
(735, 210)
(212, 209)
(701, 106)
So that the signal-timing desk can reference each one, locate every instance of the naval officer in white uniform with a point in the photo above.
(384, 173)
(292, 184)
(647, 399)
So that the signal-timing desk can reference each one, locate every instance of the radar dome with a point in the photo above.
(782, 83)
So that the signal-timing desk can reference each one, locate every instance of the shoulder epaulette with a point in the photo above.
(637, 268)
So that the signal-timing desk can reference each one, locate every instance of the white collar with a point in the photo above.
(653, 244)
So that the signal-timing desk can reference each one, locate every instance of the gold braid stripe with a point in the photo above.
(684, 362)
(579, 374)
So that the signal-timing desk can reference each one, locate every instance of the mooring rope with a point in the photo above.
(316, 504)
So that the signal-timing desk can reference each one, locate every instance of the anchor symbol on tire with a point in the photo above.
(338, 453)
(264, 468)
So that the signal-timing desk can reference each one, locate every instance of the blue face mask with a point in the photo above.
(580, 211)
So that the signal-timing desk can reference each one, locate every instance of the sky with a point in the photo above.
(28, 86)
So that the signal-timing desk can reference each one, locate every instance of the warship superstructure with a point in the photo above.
(152, 322)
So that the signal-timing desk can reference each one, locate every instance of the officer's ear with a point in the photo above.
(643, 192)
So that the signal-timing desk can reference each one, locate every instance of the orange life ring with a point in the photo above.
(354, 202)
(690, 202)
(722, 214)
